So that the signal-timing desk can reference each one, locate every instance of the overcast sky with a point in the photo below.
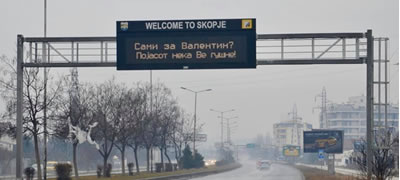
(260, 96)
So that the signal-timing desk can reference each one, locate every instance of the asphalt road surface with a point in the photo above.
(248, 171)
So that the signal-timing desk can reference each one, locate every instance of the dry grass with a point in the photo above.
(318, 174)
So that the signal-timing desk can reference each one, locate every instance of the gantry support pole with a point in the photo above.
(20, 57)
(370, 101)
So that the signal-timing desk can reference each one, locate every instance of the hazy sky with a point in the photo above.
(260, 96)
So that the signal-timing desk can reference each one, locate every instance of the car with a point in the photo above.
(324, 143)
(51, 166)
(263, 164)
(34, 166)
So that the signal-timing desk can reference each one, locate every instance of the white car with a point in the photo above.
(263, 164)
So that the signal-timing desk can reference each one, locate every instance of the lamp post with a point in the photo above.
(222, 124)
(195, 109)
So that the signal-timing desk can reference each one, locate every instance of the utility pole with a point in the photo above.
(370, 100)
(228, 128)
(20, 81)
(45, 94)
(222, 124)
(323, 121)
(151, 116)
(295, 121)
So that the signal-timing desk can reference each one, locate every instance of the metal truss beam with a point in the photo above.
(74, 64)
(69, 39)
(310, 35)
(310, 62)
(100, 51)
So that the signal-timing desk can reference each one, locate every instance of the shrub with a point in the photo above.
(99, 171)
(187, 158)
(63, 171)
(130, 168)
(108, 170)
(188, 161)
(168, 167)
(29, 173)
(159, 167)
(198, 160)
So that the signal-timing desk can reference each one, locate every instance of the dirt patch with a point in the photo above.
(318, 174)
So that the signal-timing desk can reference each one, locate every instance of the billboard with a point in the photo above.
(186, 44)
(330, 141)
(291, 151)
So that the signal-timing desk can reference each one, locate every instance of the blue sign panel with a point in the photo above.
(330, 141)
(186, 44)
(321, 154)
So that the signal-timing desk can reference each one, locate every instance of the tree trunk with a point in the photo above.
(37, 156)
(105, 157)
(166, 155)
(176, 152)
(151, 159)
(123, 159)
(136, 159)
(162, 158)
(180, 149)
(148, 158)
(74, 146)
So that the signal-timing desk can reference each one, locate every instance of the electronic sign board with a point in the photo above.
(330, 141)
(291, 151)
(186, 44)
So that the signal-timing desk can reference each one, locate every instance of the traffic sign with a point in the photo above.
(251, 145)
(201, 137)
(321, 154)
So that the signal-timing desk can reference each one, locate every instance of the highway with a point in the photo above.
(248, 171)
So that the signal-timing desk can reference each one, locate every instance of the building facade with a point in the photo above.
(7, 143)
(351, 117)
(290, 132)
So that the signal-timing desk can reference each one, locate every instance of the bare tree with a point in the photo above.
(384, 155)
(183, 132)
(125, 101)
(169, 119)
(137, 114)
(75, 117)
(162, 100)
(147, 124)
(105, 103)
(33, 104)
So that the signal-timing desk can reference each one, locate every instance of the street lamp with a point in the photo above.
(195, 108)
(222, 123)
